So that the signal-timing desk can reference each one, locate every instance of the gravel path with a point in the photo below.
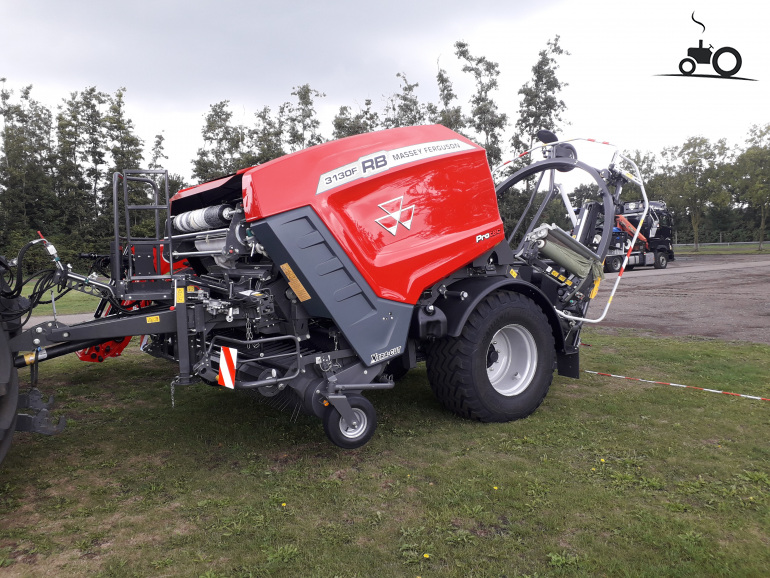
(66, 319)
(726, 297)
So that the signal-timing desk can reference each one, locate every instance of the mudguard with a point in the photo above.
(458, 310)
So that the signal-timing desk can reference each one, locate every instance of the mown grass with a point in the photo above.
(71, 303)
(608, 478)
(749, 249)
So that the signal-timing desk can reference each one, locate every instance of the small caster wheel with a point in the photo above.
(349, 436)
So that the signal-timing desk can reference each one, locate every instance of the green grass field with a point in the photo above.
(749, 249)
(70, 303)
(608, 478)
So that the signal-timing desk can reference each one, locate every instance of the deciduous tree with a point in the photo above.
(484, 118)
(446, 114)
(222, 144)
(157, 156)
(752, 180)
(540, 106)
(404, 108)
(695, 172)
(301, 124)
(266, 138)
(347, 123)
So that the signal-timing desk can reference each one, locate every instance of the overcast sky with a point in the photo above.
(177, 57)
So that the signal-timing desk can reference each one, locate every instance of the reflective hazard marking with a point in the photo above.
(227, 359)
(595, 289)
(295, 284)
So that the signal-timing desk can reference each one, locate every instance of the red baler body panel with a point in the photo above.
(409, 206)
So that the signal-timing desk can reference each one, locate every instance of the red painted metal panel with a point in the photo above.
(409, 205)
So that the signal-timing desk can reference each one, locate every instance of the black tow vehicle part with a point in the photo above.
(168, 317)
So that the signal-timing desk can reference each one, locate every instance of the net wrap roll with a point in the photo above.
(214, 217)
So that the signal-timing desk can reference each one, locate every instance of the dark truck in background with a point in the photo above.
(654, 244)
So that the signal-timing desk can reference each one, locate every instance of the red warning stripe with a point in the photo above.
(679, 385)
(226, 375)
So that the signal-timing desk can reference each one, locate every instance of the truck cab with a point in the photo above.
(654, 245)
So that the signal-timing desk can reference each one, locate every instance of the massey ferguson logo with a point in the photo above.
(396, 213)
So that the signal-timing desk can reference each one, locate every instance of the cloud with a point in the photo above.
(178, 57)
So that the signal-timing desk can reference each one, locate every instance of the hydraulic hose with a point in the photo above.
(16, 287)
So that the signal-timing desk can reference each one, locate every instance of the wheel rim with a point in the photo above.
(511, 360)
(354, 432)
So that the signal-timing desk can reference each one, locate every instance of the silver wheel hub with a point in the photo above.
(511, 360)
(358, 429)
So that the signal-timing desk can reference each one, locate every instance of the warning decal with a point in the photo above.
(375, 163)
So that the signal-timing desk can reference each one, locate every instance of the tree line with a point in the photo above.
(56, 165)
(716, 193)
(56, 169)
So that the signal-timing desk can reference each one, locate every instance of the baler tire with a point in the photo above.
(8, 404)
(506, 328)
(345, 437)
(7, 437)
(661, 260)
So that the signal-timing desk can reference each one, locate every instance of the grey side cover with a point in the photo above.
(376, 328)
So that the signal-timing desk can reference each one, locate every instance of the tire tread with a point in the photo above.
(449, 366)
